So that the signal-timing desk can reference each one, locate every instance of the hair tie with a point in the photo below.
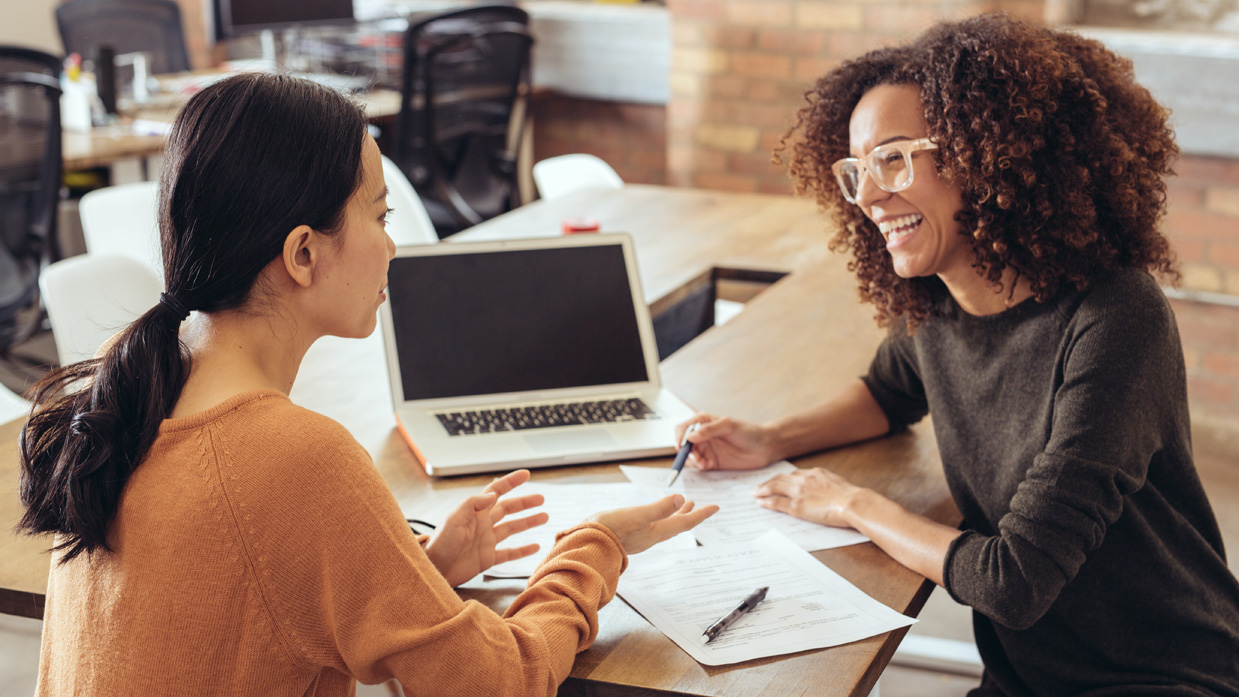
(175, 304)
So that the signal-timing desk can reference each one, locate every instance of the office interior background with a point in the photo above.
(698, 93)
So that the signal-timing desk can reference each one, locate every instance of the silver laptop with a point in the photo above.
(524, 353)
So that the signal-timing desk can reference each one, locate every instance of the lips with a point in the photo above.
(895, 229)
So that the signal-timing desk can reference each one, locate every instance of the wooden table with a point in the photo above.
(104, 145)
(793, 344)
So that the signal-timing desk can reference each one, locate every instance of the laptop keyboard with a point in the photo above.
(459, 423)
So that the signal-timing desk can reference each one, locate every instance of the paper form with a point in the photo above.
(740, 518)
(568, 505)
(681, 592)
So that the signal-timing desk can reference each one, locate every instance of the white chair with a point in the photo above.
(568, 174)
(12, 406)
(123, 221)
(89, 298)
(408, 223)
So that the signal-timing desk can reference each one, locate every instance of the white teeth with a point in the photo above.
(898, 227)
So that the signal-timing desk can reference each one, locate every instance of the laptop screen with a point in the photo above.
(514, 321)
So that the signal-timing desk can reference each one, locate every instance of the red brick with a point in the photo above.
(1206, 335)
(730, 37)
(754, 64)
(1221, 364)
(1201, 225)
(1208, 170)
(1188, 250)
(759, 12)
(725, 182)
(1183, 194)
(907, 20)
(753, 164)
(725, 86)
(1225, 254)
(809, 70)
(1210, 392)
(793, 41)
(696, 9)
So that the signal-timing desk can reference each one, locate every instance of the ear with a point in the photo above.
(302, 249)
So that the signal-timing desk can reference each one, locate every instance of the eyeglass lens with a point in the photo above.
(889, 166)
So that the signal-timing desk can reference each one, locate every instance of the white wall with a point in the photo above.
(30, 23)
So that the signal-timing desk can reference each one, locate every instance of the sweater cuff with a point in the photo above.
(961, 548)
(610, 534)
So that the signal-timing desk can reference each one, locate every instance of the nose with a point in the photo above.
(391, 247)
(868, 192)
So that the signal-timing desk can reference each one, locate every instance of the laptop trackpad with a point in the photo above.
(582, 440)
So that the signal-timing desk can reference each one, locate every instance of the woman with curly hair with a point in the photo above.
(1000, 187)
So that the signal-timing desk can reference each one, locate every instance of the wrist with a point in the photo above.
(858, 506)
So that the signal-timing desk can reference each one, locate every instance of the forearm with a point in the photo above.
(849, 416)
(912, 540)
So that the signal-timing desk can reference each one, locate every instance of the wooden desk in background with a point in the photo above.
(103, 146)
(794, 344)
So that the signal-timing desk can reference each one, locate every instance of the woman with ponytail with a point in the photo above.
(213, 537)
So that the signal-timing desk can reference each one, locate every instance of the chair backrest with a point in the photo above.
(12, 406)
(463, 100)
(128, 26)
(30, 168)
(89, 298)
(566, 174)
(123, 221)
(408, 222)
(18, 59)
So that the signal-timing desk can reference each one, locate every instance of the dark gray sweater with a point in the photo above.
(1091, 557)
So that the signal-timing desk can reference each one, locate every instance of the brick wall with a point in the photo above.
(739, 72)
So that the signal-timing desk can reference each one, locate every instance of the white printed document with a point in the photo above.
(740, 517)
(808, 606)
(568, 505)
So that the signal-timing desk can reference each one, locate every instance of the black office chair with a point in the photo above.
(127, 26)
(30, 169)
(463, 100)
(15, 59)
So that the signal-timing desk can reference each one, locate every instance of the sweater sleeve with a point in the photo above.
(348, 586)
(1121, 389)
(894, 380)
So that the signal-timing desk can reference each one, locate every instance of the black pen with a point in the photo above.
(682, 456)
(730, 618)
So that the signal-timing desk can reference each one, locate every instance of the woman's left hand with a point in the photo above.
(465, 545)
(817, 495)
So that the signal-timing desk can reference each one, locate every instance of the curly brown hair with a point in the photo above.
(1060, 156)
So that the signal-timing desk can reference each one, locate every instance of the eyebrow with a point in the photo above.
(382, 195)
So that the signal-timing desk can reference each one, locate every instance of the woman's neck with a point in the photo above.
(977, 297)
(234, 352)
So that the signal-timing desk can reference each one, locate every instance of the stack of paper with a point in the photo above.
(808, 606)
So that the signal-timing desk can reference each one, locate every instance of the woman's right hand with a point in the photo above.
(641, 527)
(722, 443)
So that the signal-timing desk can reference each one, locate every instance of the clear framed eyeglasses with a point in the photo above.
(890, 167)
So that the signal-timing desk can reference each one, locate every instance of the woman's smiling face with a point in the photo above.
(918, 222)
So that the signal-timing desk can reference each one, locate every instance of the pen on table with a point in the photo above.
(711, 633)
(682, 456)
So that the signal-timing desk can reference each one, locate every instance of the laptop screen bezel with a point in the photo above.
(645, 326)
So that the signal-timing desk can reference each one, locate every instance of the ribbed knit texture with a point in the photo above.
(257, 551)
(1092, 559)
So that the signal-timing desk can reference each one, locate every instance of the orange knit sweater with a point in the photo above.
(258, 552)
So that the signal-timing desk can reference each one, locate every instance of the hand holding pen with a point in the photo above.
(730, 618)
(681, 457)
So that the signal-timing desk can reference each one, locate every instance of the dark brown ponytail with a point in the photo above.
(249, 159)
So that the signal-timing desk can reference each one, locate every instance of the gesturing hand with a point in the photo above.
(466, 543)
(817, 495)
(642, 527)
